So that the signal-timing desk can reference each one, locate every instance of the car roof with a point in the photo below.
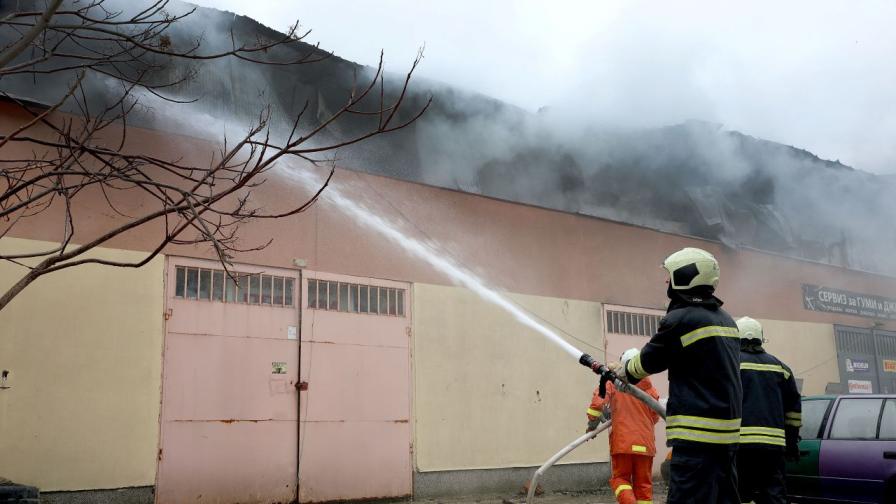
(860, 396)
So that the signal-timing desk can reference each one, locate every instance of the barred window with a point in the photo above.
(247, 288)
(633, 323)
(355, 298)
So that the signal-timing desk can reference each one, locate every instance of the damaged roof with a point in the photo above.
(694, 178)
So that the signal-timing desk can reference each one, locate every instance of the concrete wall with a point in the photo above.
(490, 393)
(84, 350)
(808, 349)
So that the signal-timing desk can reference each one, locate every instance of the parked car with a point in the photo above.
(847, 451)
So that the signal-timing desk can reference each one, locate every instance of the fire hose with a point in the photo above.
(533, 484)
(606, 375)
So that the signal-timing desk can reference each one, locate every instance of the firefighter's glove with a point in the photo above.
(618, 368)
(602, 386)
(592, 424)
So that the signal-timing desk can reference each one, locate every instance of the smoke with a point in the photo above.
(597, 151)
(812, 74)
(694, 178)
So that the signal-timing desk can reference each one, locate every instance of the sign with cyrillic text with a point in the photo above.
(827, 299)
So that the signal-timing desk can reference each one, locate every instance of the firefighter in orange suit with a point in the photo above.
(632, 444)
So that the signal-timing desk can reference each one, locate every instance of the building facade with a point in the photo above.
(346, 364)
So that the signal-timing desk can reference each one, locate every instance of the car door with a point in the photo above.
(887, 448)
(802, 477)
(848, 470)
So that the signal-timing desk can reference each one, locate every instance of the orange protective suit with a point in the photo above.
(632, 444)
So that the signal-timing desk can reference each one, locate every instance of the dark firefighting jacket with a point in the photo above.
(698, 343)
(772, 408)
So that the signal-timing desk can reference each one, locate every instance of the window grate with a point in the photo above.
(203, 284)
(632, 323)
(355, 298)
(854, 340)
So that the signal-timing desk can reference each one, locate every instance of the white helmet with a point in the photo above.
(691, 267)
(629, 354)
(749, 329)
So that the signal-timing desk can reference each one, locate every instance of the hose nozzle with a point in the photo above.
(587, 361)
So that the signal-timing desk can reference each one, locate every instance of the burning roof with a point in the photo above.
(694, 178)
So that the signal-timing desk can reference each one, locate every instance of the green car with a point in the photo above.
(847, 451)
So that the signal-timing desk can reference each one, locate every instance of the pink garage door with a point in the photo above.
(630, 327)
(229, 399)
(355, 440)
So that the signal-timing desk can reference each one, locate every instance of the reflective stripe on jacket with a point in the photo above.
(633, 421)
(698, 343)
(772, 407)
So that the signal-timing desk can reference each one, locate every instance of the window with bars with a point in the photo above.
(637, 324)
(355, 298)
(248, 288)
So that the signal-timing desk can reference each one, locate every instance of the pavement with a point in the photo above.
(599, 497)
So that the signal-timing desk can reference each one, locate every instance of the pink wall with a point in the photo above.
(516, 247)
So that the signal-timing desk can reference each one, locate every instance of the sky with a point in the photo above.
(819, 75)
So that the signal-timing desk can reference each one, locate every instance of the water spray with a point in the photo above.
(440, 262)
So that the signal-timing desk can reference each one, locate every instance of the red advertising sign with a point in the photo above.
(890, 366)
(860, 387)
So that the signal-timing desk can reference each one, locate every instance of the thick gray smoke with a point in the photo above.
(695, 178)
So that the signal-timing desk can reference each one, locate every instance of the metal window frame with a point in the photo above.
(366, 295)
(241, 283)
(624, 320)
(180, 271)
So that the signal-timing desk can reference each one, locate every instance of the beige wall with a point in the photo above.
(84, 350)
(808, 349)
(490, 392)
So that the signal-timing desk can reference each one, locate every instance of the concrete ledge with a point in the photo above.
(132, 495)
(566, 477)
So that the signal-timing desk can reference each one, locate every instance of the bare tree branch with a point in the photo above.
(85, 159)
(36, 29)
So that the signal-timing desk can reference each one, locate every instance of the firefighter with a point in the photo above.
(632, 444)
(771, 419)
(697, 341)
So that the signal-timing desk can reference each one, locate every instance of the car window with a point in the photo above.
(888, 420)
(813, 414)
(856, 419)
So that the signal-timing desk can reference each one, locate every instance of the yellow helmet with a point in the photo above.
(749, 329)
(692, 267)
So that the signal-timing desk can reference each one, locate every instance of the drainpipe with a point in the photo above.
(299, 384)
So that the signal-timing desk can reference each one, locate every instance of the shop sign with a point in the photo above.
(826, 299)
(860, 387)
(889, 366)
(857, 366)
